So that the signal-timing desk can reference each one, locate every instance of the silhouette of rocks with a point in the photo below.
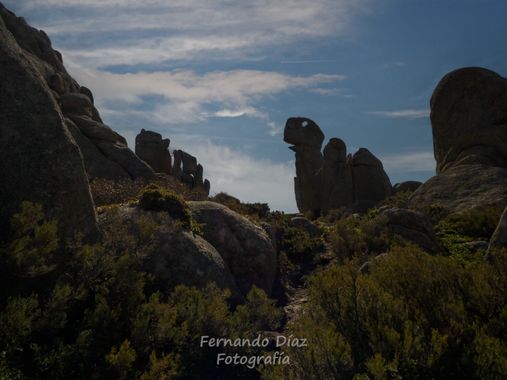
(152, 149)
(469, 123)
(39, 160)
(188, 171)
(332, 179)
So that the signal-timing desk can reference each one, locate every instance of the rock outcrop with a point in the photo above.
(469, 124)
(333, 179)
(177, 257)
(75, 103)
(412, 226)
(152, 149)
(188, 171)
(39, 160)
(246, 248)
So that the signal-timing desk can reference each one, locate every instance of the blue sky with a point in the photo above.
(220, 77)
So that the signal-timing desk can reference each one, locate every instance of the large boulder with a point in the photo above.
(463, 187)
(39, 160)
(371, 182)
(469, 123)
(176, 256)
(469, 119)
(152, 149)
(245, 247)
(411, 226)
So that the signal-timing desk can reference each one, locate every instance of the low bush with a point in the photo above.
(414, 316)
(91, 312)
(154, 198)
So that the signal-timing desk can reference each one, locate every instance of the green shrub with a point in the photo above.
(298, 244)
(98, 315)
(414, 316)
(456, 230)
(356, 236)
(154, 198)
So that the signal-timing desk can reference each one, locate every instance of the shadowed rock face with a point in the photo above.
(469, 123)
(39, 160)
(76, 103)
(246, 248)
(306, 139)
(332, 179)
(303, 132)
(469, 119)
(152, 149)
(188, 171)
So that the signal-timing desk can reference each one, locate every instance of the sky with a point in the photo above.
(221, 77)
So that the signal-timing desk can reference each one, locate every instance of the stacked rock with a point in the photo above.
(333, 179)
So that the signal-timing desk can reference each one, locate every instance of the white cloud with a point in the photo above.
(186, 94)
(423, 161)
(245, 177)
(403, 114)
(274, 128)
(186, 29)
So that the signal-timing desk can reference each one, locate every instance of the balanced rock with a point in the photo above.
(152, 149)
(245, 247)
(333, 179)
(39, 160)
(469, 124)
(306, 139)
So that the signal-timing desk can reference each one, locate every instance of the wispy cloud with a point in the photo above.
(185, 96)
(160, 30)
(249, 178)
(403, 114)
(419, 161)
(274, 128)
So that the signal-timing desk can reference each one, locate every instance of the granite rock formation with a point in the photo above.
(39, 160)
(332, 179)
(188, 171)
(412, 226)
(75, 103)
(246, 248)
(152, 149)
(469, 124)
(178, 257)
